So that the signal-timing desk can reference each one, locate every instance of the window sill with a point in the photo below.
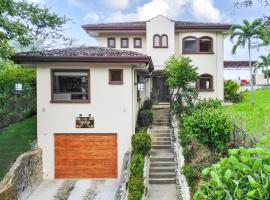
(198, 53)
(205, 90)
(158, 47)
(115, 83)
(70, 101)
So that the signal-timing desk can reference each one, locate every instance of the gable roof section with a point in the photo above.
(141, 26)
(84, 54)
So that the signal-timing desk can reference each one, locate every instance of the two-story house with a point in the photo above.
(88, 97)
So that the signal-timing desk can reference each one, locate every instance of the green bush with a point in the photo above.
(135, 188)
(145, 118)
(16, 106)
(231, 92)
(191, 174)
(244, 174)
(147, 105)
(208, 103)
(210, 127)
(137, 165)
(141, 143)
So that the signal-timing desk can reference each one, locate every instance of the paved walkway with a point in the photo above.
(162, 177)
(76, 190)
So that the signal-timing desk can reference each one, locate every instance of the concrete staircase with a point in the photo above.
(162, 165)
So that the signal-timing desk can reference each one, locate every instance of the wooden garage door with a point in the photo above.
(85, 155)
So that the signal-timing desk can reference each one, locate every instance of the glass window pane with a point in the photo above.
(205, 45)
(116, 76)
(124, 42)
(70, 85)
(156, 41)
(111, 42)
(190, 45)
(164, 41)
(138, 43)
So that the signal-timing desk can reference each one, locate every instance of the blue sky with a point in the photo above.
(101, 11)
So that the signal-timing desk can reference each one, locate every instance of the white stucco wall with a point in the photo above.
(208, 63)
(160, 25)
(103, 41)
(111, 106)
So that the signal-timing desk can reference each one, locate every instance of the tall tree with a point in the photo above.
(264, 64)
(26, 22)
(250, 35)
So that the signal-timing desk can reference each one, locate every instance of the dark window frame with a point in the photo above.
(122, 46)
(72, 100)
(197, 51)
(108, 42)
(134, 43)
(160, 41)
(111, 82)
(166, 45)
(211, 86)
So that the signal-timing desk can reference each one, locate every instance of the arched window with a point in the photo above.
(164, 40)
(206, 44)
(156, 40)
(205, 83)
(190, 45)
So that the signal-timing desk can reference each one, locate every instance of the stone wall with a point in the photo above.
(23, 177)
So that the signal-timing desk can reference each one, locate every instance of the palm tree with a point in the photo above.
(264, 64)
(250, 34)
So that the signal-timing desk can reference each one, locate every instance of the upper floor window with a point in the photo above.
(70, 86)
(160, 41)
(137, 42)
(205, 83)
(197, 45)
(111, 42)
(116, 76)
(124, 43)
(206, 44)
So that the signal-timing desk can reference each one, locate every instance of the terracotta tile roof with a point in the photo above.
(237, 64)
(84, 54)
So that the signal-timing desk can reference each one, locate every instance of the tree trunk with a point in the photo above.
(251, 77)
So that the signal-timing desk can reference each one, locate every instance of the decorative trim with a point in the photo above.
(122, 46)
(121, 82)
(134, 43)
(108, 43)
(73, 100)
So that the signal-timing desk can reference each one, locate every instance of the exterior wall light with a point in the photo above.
(140, 86)
(18, 87)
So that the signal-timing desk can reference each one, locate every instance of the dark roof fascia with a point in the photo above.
(31, 59)
(114, 28)
(205, 27)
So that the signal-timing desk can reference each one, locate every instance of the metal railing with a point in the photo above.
(242, 138)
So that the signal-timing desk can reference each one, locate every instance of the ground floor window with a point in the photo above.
(205, 83)
(116, 76)
(70, 85)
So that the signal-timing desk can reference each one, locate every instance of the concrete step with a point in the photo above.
(160, 123)
(162, 175)
(161, 120)
(161, 130)
(161, 169)
(161, 143)
(161, 139)
(162, 181)
(162, 164)
(161, 159)
(161, 146)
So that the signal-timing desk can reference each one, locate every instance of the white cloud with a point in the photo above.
(121, 4)
(205, 10)
(36, 1)
(92, 17)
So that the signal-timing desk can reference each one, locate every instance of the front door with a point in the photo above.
(160, 89)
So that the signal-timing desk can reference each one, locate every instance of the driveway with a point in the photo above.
(76, 190)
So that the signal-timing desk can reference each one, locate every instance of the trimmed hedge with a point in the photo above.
(135, 188)
(141, 143)
(148, 104)
(145, 118)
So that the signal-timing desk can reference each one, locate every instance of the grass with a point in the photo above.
(254, 119)
(14, 140)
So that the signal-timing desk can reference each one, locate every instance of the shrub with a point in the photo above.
(141, 142)
(244, 174)
(208, 103)
(137, 165)
(145, 118)
(135, 188)
(147, 105)
(231, 91)
(210, 127)
(191, 174)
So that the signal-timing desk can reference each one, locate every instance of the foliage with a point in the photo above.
(135, 188)
(209, 126)
(26, 22)
(141, 142)
(191, 174)
(208, 103)
(15, 140)
(244, 174)
(145, 118)
(231, 91)
(264, 64)
(137, 165)
(15, 106)
(252, 35)
(264, 142)
(181, 75)
(147, 105)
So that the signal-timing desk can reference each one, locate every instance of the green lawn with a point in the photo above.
(14, 140)
(255, 119)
